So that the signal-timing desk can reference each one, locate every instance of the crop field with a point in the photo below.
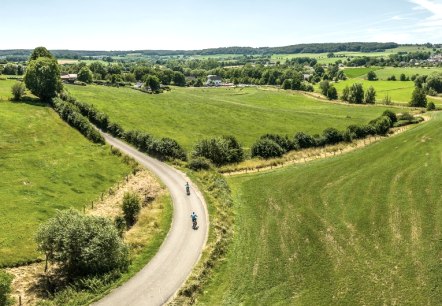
(359, 72)
(364, 228)
(190, 114)
(45, 165)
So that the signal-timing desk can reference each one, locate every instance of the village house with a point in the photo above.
(69, 78)
(213, 80)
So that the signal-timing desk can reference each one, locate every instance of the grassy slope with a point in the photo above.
(45, 165)
(362, 228)
(189, 114)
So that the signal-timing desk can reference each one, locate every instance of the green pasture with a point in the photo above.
(359, 72)
(45, 165)
(384, 73)
(190, 114)
(364, 228)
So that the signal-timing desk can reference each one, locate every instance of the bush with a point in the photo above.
(332, 93)
(5, 288)
(266, 148)
(72, 116)
(356, 93)
(18, 89)
(370, 96)
(199, 163)
(381, 125)
(406, 116)
(283, 141)
(431, 106)
(303, 140)
(82, 245)
(131, 208)
(390, 114)
(219, 150)
(371, 76)
(332, 136)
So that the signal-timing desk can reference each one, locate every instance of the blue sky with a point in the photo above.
(195, 24)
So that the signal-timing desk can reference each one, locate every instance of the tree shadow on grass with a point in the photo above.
(32, 101)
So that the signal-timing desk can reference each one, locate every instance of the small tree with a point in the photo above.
(332, 136)
(131, 208)
(345, 94)
(82, 245)
(303, 140)
(179, 79)
(386, 100)
(287, 84)
(402, 77)
(356, 94)
(18, 89)
(431, 106)
(85, 75)
(371, 76)
(266, 148)
(370, 96)
(418, 98)
(324, 85)
(391, 115)
(153, 83)
(332, 93)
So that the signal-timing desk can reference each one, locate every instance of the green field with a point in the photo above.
(358, 72)
(45, 165)
(190, 114)
(398, 91)
(364, 228)
(384, 73)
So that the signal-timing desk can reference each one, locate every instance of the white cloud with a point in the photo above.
(397, 18)
(434, 21)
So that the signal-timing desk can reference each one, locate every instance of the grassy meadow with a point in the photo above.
(45, 165)
(363, 228)
(190, 114)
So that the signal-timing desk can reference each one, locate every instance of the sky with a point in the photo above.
(197, 24)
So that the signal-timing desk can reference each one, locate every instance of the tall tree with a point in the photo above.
(85, 75)
(418, 98)
(370, 96)
(40, 52)
(42, 78)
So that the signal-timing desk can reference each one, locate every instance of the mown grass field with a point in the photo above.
(398, 91)
(45, 165)
(190, 114)
(364, 228)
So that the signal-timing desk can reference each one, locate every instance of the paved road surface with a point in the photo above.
(158, 281)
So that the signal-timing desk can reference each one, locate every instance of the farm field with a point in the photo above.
(190, 114)
(45, 165)
(360, 229)
(384, 73)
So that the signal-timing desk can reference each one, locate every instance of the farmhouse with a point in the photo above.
(213, 80)
(69, 78)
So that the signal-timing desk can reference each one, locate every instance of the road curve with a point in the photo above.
(162, 277)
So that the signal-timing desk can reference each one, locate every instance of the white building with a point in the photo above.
(213, 80)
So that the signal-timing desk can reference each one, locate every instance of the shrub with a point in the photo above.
(356, 93)
(120, 225)
(324, 85)
(18, 89)
(72, 116)
(431, 106)
(390, 114)
(85, 75)
(165, 148)
(219, 150)
(5, 288)
(199, 163)
(283, 141)
(332, 93)
(131, 208)
(266, 148)
(345, 94)
(82, 245)
(332, 136)
(406, 116)
(381, 125)
(371, 76)
(303, 140)
(287, 84)
(386, 100)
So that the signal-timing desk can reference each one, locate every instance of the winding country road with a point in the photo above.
(159, 280)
